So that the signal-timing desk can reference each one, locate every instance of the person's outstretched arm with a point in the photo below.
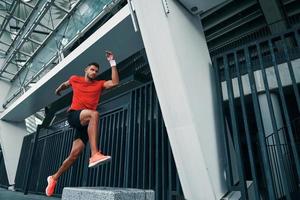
(62, 87)
(114, 72)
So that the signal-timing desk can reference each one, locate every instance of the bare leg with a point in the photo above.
(77, 148)
(91, 118)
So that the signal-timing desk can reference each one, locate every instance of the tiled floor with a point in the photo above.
(10, 195)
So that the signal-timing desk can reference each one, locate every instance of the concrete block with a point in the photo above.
(106, 193)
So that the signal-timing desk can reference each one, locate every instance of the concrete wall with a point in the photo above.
(11, 138)
(284, 76)
(181, 68)
(5, 86)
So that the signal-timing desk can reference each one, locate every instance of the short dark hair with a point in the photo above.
(95, 64)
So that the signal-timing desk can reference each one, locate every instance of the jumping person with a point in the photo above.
(83, 116)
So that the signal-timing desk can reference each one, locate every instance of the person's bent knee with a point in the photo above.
(94, 114)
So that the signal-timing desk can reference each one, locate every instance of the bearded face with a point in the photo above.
(91, 72)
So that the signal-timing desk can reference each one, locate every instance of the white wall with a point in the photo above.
(4, 86)
(11, 138)
(181, 67)
(284, 76)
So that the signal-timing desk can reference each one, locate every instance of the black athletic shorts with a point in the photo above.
(74, 121)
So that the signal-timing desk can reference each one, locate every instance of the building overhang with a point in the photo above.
(196, 7)
(117, 35)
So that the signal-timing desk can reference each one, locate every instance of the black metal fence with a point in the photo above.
(3, 175)
(132, 130)
(287, 162)
(270, 160)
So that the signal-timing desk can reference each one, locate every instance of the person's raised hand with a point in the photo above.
(57, 92)
(110, 58)
(109, 55)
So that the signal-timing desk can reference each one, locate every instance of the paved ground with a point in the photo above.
(10, 195)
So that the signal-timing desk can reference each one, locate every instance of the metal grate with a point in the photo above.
(131, 130)
(267, 67)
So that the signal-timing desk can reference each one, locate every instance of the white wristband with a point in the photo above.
(112, 63)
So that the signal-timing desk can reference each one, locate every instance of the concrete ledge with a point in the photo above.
(106, 193)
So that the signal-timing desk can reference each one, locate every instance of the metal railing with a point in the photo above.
(246, 122)
(132, 130)
(45, 58)
(287, 161)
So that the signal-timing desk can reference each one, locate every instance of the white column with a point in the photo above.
(181, 68)
(11, 138)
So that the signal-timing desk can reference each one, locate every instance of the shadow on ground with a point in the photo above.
(10, 195)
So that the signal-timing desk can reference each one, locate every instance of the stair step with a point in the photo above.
(107, 193)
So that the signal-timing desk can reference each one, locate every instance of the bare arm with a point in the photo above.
(114, 78)
(62, 87)
(114, 73)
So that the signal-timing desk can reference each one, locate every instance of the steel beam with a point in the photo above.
(37, 50)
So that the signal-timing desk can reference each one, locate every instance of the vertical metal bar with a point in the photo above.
(291, 71)
(150, 117)
(72, 169)
(285, 111)
(273, 168)
(163, 153)
(120, 174)
(222, 123)
(291, 170)
(111, 134)
(246, 126)
(112, 145)
(67, 151)
(26, 162)
(235, 131)
(139, 140)
(77, 175)
(108, 165)
(62, 152)
(274, 125)
(261, 132)
(297, 37)
(100, 146)
(145, 133)
(101, 131)
(41, 165)
(120, 150)
(118, 159)
(157, 152)
(170, 180)
(115, 153)
(133, 153)
(108, 134)
(83, 165)
(117, 150)
(104, 148)
(85, 169)
(48, 166)
(128, 138)
(125, 132)
(108, 131)
(31, 160)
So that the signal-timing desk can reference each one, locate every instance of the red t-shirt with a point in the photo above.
(86, 95)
